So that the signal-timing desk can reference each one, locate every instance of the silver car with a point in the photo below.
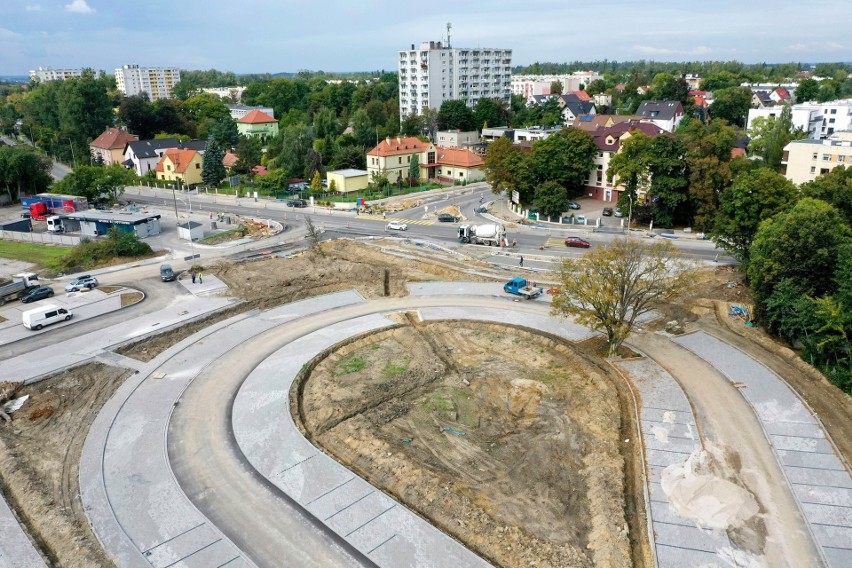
(85, 281)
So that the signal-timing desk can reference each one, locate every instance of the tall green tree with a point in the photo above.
(98, 184)
(566, 158)
(807, 90)
(629, 169)
(669, 189)
(551, 198)
(455, 114)
(224, 133)
(414, 170)
(490, 112)
(834, 187)
(754, 197)
(23, 171)
(498, 168)
(212, 169)
(732, 104)
(249, 154)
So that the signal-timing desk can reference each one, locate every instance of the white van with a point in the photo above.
(39, 317)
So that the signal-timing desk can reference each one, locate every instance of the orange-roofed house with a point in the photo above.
(109, 146)
(180, 165)
(393, 156)
(258, 124)
(459, 165)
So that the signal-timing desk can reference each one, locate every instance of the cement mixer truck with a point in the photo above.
(492, 235)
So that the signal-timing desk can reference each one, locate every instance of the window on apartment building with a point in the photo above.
(823, 171)
(841, 159)
(813, 169)
(197, 166)
(168, 168)
(409, 159)
(814, 156)
(833, 111)
(831, 121)
(400, 160)
(825, 157)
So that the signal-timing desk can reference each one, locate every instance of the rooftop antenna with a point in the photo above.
(449, 27)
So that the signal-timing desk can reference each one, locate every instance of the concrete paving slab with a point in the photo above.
(16, 550)
(354, 510)
(557, 326)
(803, 455)
(15, 330)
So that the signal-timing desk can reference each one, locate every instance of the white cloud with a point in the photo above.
(34, 8)
(79, 6)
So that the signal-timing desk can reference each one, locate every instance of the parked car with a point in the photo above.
(577, 242)
(580, 219)
(573, 205)
(447, 218)
(85, 281)
(38, 293)
(481, 209)
(607, 212)
(397, 226)
(297, 203)
(618, 212)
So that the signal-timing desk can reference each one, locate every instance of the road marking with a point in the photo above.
(554, 242)
(398, 219)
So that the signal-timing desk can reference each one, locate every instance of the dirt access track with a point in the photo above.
(41, 446)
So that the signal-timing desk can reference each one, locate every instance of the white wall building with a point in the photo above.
(456, 138)
(49, 74)
(230, 93)
(529, 85)
(435, 73)
(805, 160)
(819, 120)
(158, 82)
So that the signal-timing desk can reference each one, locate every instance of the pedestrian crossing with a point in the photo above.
(389, 219)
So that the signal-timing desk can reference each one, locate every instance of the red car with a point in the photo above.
(577, 242)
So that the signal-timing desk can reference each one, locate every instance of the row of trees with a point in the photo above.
(23, 171)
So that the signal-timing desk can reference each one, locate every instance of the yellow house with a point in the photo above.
(109, 146)
(393, 156)
(183, 165)
(349, 180)
(258, 124)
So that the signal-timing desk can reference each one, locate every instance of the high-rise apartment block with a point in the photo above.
(48, 74)
(158, 82)
(435, 72)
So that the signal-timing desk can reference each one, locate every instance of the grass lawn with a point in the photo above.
(43, 255)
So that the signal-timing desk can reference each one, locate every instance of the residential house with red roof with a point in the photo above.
(460, 165)
(393, 157)
(109, 146)
(608, 141)
(258, 124)
(180, 165)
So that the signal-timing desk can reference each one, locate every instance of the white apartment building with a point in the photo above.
(805, 160)
(529, 85)
(435, 73)
(819, 120)
(49, 74)
(158, 82)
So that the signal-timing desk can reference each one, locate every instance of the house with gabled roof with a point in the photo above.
(142, 156)
(761, 99)
(608, 141)
(593, 122)
(392, 156)
(573, 106)
(780, 95)
(183, 166)
(257, 124)
(459, 165)
(109, 146)
(665, 114)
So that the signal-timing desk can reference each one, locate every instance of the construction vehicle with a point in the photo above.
(491, 235)
(20, 284)
(521, 287)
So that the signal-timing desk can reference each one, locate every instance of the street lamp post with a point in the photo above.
(73, 159)
(188, 227)
(630, 210)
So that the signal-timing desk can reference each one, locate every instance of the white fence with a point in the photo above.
(40, 238)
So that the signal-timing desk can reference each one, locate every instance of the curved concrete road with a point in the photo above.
(211, 468)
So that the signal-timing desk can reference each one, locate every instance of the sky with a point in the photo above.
(257, 36)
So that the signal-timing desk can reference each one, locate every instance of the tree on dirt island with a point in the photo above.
(754, 197)
(212, 169)
(610, 287)
(455, 114)
(551, 199)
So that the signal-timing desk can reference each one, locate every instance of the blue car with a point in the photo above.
(37, 293)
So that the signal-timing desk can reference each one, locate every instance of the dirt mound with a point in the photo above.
(40, 461)
(476, 428)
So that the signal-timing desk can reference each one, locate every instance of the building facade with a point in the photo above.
(183, 166)
(109, 146)
(48, 74)
(818, 120)
(805, 160)
(158, 82)
(457, 138)
(238, 111)
(529, 85)
(258, 124)
(435, 73)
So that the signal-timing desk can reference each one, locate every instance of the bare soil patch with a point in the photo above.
(507, 440)
(40, 461)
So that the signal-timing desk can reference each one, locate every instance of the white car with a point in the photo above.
(396, 226)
